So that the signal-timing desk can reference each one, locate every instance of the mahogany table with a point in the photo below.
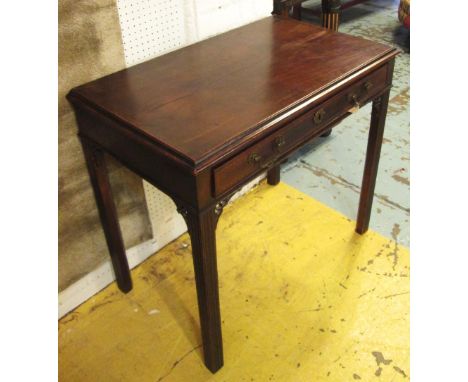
(200, 122)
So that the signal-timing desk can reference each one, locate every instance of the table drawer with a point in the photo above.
(270, 149)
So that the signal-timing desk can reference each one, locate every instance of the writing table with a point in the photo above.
(200, 122)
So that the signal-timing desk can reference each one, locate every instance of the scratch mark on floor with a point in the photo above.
(365, 293)
(396, 294)
(385, 199)
(179, 361)
(398, 370)
(93, 308)
(336, 179)
(394, 253)
(70, 317)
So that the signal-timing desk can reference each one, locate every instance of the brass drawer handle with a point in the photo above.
(318, 116)
(254, 158)
(280, 141)
(354, 99)
(368, 85)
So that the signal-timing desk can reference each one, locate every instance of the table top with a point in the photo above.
(202, 99)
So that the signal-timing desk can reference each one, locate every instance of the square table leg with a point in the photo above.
(202, 229)
(374, 144)
(98, 175)
(273, 175)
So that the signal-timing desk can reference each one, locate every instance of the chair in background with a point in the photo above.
(330, 10)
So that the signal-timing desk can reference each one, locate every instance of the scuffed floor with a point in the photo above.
(303, 298)
(330, 169)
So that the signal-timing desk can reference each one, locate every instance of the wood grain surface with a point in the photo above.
(196, 100)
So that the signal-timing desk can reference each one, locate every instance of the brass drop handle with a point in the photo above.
(368, 86)
(318, 116)
(280, 141)
(254, 158)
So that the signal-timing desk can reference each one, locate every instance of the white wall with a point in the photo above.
(218, 16)
(151, 28)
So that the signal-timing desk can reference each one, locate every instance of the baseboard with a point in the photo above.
(245, 189)
(101, 277)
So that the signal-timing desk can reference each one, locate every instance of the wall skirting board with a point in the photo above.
(102, 276)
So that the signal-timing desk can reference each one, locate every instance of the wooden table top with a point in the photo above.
(196, 101)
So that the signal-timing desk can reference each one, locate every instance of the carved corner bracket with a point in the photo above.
(218, 209)
(214, 212)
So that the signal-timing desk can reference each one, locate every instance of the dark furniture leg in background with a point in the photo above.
(296, 12)
(379, 112)
(331, 14)
(330, 20)
(202, 230)
(281, 8)
(330, 11)
(326, 133)
(98, 175)
(273, 175)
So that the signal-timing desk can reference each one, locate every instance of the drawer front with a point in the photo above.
(276, 146)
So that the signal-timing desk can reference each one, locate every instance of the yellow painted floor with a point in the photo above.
(303, 298)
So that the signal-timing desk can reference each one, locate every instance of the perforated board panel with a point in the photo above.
(151, 28)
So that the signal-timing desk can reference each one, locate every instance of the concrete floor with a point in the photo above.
(303, 298)
(330, 169)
